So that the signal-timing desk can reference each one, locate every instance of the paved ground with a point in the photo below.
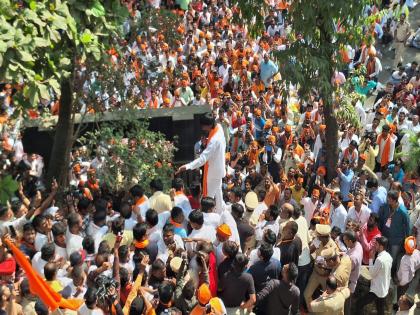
(410, 53)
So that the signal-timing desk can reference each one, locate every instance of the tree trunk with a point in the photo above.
(60, 155)
(331, 143)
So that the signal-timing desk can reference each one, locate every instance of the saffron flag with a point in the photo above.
(39, 286)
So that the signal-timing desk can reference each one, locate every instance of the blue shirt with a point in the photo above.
(398, 177)
(378, 199)
(345, 184)
(398, 226)
(267, 70)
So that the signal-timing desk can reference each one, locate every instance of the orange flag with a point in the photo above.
(39, 287)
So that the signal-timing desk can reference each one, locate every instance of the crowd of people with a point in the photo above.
(267, 229)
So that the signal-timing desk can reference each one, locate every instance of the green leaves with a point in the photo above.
(86, 37)
(97, 9)
(40, 40)
(25, 56)
(8, 186)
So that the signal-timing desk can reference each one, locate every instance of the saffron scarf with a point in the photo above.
(206, 166)
(142, 244)
(386, 150)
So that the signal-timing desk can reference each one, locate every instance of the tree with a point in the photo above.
(130, 153)
(41, 45)
(326, 27)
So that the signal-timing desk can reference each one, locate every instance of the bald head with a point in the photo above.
(286, 211)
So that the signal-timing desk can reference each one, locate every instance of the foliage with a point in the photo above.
(130, 153)
(8, 187)
(412, 157)
(41, 41)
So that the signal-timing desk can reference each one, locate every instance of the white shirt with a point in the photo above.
(180, 200)
(40, 240)
(408, 266)
(360, 217)
(142, 209)
(154, 234)
(303, 234)
(253, 220)
(97, 233)
(214, 154)
(38, 264)
(211, 219)
(84, 310)
(253, 256)
(206, 232)
(129, 223)
(380, 273)
(338, 217)
(266, 225)
(61, 252)
(73, 242)
(309, 208)
(163, 252)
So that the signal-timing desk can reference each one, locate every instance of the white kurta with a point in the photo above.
(214, 154)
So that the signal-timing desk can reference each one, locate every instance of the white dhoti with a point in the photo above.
(214, 190)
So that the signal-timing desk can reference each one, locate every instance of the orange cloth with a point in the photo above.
(39, 286)
(142, 244)
(387, 148)
(410, 245)
(272, 195)
(224, 230)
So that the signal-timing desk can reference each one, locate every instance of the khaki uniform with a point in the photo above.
(342, 272)
(319, 275)
(332, 304)
(401, 33)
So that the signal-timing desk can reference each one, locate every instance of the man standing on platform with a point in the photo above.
(213, 159)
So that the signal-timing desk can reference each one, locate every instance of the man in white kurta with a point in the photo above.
(214, 155)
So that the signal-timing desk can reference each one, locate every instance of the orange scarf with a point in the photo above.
(154, 103)
(140, 201)
(142, 244)
(387, 148)
(347, 153)
(206, 166)
(175, 224)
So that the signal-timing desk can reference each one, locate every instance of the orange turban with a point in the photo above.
(307, 115)
(166, 100)
(321, 171)
(288, 128)
(410, 245)
(271, 138)
(322, 127)
(268, 124)
(204, 294)
(224, 230)
(363, 157)
(393, 128)
(275, 129)
(315, 192)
